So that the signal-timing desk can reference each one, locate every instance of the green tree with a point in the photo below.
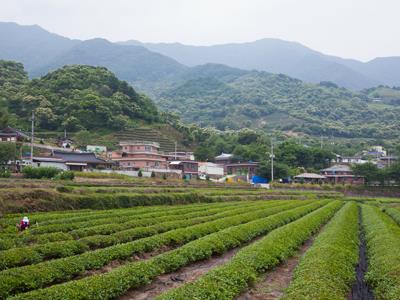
(369, 171)
(8, 152)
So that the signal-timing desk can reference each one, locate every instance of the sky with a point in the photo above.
(359, 29)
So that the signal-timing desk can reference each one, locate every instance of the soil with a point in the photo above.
(173, 280)
(360, 289)
(117, 263)
(276, 281)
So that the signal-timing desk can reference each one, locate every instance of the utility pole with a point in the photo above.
(272, 156)
(32, 134)
(175, 149)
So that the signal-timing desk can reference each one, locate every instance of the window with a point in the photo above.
(147, 148)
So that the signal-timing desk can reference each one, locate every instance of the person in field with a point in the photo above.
(24, 224)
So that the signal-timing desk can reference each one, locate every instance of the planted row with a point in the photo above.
(230, 279)
(54, 232)
(45, 273)
(383, 243)
(132, 275)
(37, 253)
(327, 270)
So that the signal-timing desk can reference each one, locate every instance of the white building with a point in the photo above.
(211, 169)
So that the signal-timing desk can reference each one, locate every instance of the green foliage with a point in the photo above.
(267, 101)
(65, 175)
(228, 280)
(75, 98)
(8, 152)
(42, 274)
(153, 174)
(382, 236)
(140, 173)
(326, 271)
(40, 173)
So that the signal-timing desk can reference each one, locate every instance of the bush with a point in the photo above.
(65, 175)
(140, 173)
(164, 176)
(40, 173)
(5, 173)
(153, 174)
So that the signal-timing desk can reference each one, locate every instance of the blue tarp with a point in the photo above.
(258, 179)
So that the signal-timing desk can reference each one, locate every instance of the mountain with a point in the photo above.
(31, 45)
(134, 64)
(41, 51)
(290, 58)
(74, 97)
(151, 66)
(262, 100)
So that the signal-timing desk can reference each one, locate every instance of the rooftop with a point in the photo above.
(76, 157)
(223, 156)
(337, 168)
(310, 176)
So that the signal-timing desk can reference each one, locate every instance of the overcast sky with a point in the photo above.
(361, 29)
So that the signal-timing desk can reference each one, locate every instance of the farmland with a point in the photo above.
(143, 241)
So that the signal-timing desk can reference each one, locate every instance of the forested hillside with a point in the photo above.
(228, 98)
(73, 98)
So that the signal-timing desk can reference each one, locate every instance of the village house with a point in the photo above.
(341, 174)
(189, 168)
(137, 155)
(72, 161)
(309, 178)
(247, 169)
(9, 134)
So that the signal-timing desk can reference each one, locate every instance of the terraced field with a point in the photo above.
(222, 250)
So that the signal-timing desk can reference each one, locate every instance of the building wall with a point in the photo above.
(211, 170)
(8, 139)
(57, 165)
(139, 148)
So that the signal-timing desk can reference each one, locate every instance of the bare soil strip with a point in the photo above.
(273, 285)
(173, 280)
(118, 263)
(361, 290)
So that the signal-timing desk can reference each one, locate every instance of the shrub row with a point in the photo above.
(132, 275)
(228, 280)
(327, 270)
(37, 253)
(383, 243)
(53, 232)
(57, 270)
(393, 213)
(121, 216)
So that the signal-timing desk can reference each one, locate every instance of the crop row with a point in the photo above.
(122, 216)
(45, 273)
(327, 270)
(57, 232)
(37, 253)
(383, 242)
(230, 279)
(133, 275)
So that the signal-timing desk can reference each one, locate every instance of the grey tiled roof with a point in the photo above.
(78, 157)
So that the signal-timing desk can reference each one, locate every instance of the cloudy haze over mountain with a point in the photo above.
(360, 29)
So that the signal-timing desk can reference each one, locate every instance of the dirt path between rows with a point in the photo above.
(276, 281)
(173, 280)
(360, 289)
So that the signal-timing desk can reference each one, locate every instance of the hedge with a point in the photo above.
(383, 243)
(230, 279)
(132, 275)
(57, 270)
(327, 270)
